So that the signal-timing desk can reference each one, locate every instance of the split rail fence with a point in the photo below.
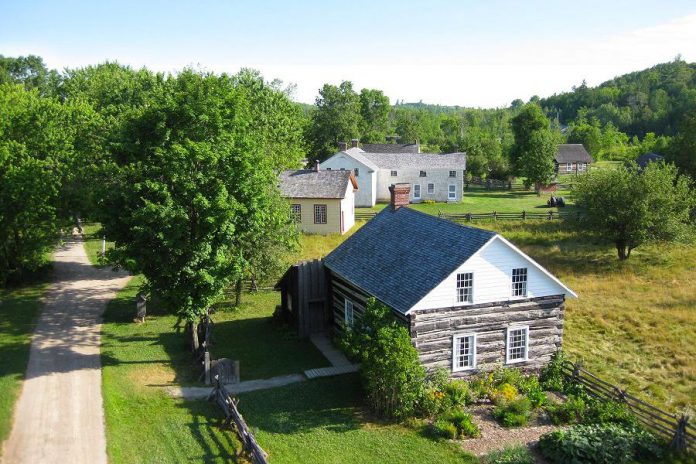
(468, 217)
(675, 429)
(228, 404)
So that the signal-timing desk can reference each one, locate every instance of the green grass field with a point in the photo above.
(19, 310)
(93, 242)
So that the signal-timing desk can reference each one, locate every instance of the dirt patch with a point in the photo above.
(494, 436)
(157, 375)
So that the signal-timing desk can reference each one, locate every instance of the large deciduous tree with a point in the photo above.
(630, 206)
(374, 110)
(535, 146)
(193, 190)
(336, 118)
(682, 150)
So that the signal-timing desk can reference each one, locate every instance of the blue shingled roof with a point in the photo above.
(399, 256)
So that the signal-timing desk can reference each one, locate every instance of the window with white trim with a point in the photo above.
(465, 287)
(582, 167)
(451, 192)
(519, 281)
(357, 172)
(431, 189)
(453, 173)
(320, 214)
(296, 212)
(394, 173)
(348, 316)
(463, 352)
(423, 174)
(569, 167)
(416, 192)
(517, 345)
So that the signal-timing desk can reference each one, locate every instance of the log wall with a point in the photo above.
(432, 332)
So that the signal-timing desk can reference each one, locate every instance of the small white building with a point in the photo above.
(438, 177)
(321, 202)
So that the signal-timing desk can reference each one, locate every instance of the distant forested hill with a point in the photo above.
(652, 100)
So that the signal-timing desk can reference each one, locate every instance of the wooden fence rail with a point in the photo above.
(468, 217)
(675, 429)
(229, 406)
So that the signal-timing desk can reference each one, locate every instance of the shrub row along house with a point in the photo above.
(321, 202)
(572, 158)
(438, 177)
(470, 299)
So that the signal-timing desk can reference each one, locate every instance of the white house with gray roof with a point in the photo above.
(438, 177)
(321, 202)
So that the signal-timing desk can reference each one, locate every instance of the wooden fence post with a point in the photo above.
(206, 367)
(576, 371)
(678, 443)
(235, 371)
(468, 217)
(495, 216)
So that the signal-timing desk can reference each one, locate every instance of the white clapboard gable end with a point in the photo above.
(492, 267)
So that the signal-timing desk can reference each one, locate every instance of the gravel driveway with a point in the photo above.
(59, 416)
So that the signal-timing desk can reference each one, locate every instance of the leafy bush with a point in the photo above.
(608, 412)
(502, 375)
(511, 455)
(442, 394)
(531, 387)
(481, 387)
(516, 413)
(457, 394)
(571, 411)
(445, 429)
(504, 394)
(600, 444)
(461, 421)
(551, 376)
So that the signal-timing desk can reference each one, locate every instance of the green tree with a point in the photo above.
(374, 110)
(192, 191)
(336, 118)
(682, 149)
(535, 145)
(29, 71)
(631, 207)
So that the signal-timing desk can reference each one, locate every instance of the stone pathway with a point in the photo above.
(59, 416)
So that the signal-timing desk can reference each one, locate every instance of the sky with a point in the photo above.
(449, 52)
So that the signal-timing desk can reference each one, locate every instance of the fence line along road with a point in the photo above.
(467, 217)
(675, 429)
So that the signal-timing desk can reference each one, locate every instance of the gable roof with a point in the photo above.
(643, 160)
(306, 183)
(399, 256)
(391, 147)
(358, 155)
(417, 160)
(572, 153)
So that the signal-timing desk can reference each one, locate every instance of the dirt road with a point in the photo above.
(59, 417)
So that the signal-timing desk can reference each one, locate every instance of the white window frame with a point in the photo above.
(416, 197)
(582, 167)
(431, 188)
(453, 173)
(509, 332)
(458, 295)
(394, 173)
(356, 171)
(317, 208)
(348, 309)
(296, 212)
(456, 344)
(569, 167)
(526, 282)
(452, 192)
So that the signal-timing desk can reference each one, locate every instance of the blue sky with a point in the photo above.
(470, 53)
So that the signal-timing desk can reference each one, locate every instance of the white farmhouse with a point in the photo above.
(438, 177)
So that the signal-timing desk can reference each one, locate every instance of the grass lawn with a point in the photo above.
(93, 242)
(322, 421)
(19, 310)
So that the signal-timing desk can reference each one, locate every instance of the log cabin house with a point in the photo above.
(470, 299)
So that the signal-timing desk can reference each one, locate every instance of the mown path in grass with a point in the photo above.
(19, 309)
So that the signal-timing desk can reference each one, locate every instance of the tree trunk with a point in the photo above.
(195, 344)
(238, 292)
(621, 250)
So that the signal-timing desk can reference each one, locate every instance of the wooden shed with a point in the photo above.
(304, 290)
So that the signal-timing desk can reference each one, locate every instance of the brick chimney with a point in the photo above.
(342, 146)
(354, 143)
(316, 165)
(400, 195)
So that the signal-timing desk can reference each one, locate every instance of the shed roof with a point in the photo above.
(399, 256)
(643, 160)
(306, 183)
(572, 153)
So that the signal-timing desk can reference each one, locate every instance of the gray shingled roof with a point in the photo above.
(390, 147)
(417, 160)
(572, 153)
(312, 184)
(358, 155)
(643, 160)
(399, 256)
